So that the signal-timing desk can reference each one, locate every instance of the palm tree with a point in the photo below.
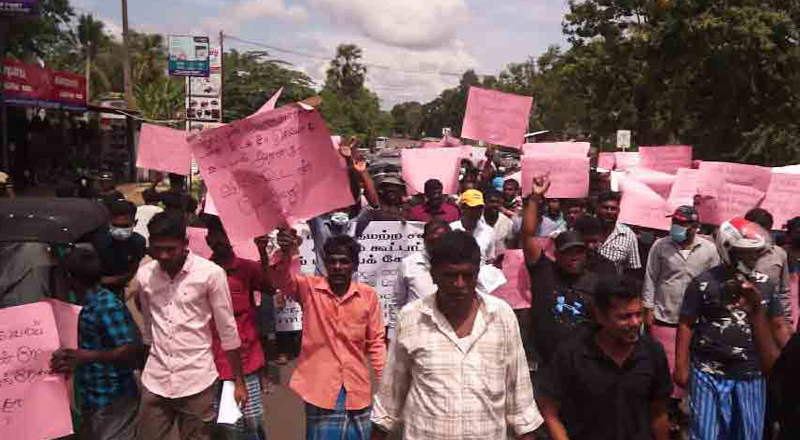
(91, 37)
(149, 57)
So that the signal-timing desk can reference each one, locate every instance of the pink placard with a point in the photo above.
(684, 189)
(513, 291)
(606, 161)
(163, 149)
(496, 117)
(421, 164)
(579, 149)
(66, 316)
(270, 170)
(641, 206)
(210, 207)
(35, 402)
(731, 202)
(569, 176)
(666, 159)
(624, 161)
(659, 182)
(754, 176)
(783, 198)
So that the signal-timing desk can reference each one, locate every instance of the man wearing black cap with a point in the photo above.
(563, 290)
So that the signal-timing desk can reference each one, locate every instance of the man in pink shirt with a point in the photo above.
(181, 295)
(343, 334)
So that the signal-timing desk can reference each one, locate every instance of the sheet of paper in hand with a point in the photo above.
(496, 117)
(666, 159)
(782, 199)
(34, 402)
(163, 149)
(569, 175)
(421, 164)
(642, 206)
(579, 149)
(270, 170)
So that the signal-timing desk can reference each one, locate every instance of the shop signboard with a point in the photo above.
(24, 7)
(28, 84)
(188, 55)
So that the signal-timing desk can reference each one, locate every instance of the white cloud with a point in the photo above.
(112, 29)
(414, 24)
(233, 17)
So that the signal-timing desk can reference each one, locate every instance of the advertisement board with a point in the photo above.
(188, 55)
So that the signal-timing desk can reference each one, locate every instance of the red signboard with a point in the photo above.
(31, 85)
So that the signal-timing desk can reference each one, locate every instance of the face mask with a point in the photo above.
(678, 233)
(120, 234)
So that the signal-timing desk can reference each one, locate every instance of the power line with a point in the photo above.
(328, 58)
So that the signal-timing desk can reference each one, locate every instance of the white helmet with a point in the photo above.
(738, 233)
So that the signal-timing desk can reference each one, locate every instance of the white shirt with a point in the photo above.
(484, 235)
(414, 279)
(503, 229)
(144, 214)
(442, 391)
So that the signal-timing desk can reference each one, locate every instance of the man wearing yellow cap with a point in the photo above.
(472, 221)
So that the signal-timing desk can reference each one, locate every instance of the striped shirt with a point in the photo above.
(444, 388)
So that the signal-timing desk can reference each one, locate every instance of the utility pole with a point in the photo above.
(126, 61)
(5, 24)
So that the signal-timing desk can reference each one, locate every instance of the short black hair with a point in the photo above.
(793, 224)
(624, 288)
(433, 184)
(511, 181)
(436, 223)
(167, 225)
(760, 216)
(343, 242)
(492, 192)
(118, 208)
(178, 201)
(84, 265)
(609, 196)
(151, 196)
(213, 223)
(575, 203)
(588, 225)
(456, 247)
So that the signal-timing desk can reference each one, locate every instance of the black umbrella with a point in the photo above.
(50, 220)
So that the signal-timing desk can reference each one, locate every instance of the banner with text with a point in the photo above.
(496, 117)
(163, 149)
(579, 149)
(642, 206)
(783, 198)
(270, 170)
(34, 401)
(666, 159)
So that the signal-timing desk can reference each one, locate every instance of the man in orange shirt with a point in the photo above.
(343, 335)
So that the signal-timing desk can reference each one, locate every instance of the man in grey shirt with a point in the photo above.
(774, 262)
(672, 264)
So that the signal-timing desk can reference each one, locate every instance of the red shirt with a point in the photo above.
(422, 213)
(244, 276)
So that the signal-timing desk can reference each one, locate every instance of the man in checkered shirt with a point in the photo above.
(620, 244)
(457, 370)
(109, 348)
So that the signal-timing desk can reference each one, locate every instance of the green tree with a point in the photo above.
(251, 78)
(346, 74)
(407, 118)
(92, 37)
(39, 36)
(161, 99)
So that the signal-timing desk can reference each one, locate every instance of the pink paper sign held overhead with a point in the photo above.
(34, 401)
(447, 141)
(66, 316)
(606, 161)
(271, 169)
(580, 149)
(684, 190)
(641, 206)
(421, 164)
(667, 159)
(270, 104)
(783, 198)
(163, 149)
(732, 201)
(624, 161)
(754, 176)
(496, 117)
(569, 176)
(659, 182)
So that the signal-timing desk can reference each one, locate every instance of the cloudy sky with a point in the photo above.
(411, 35)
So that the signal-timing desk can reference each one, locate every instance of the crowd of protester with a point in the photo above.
(629, 333)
